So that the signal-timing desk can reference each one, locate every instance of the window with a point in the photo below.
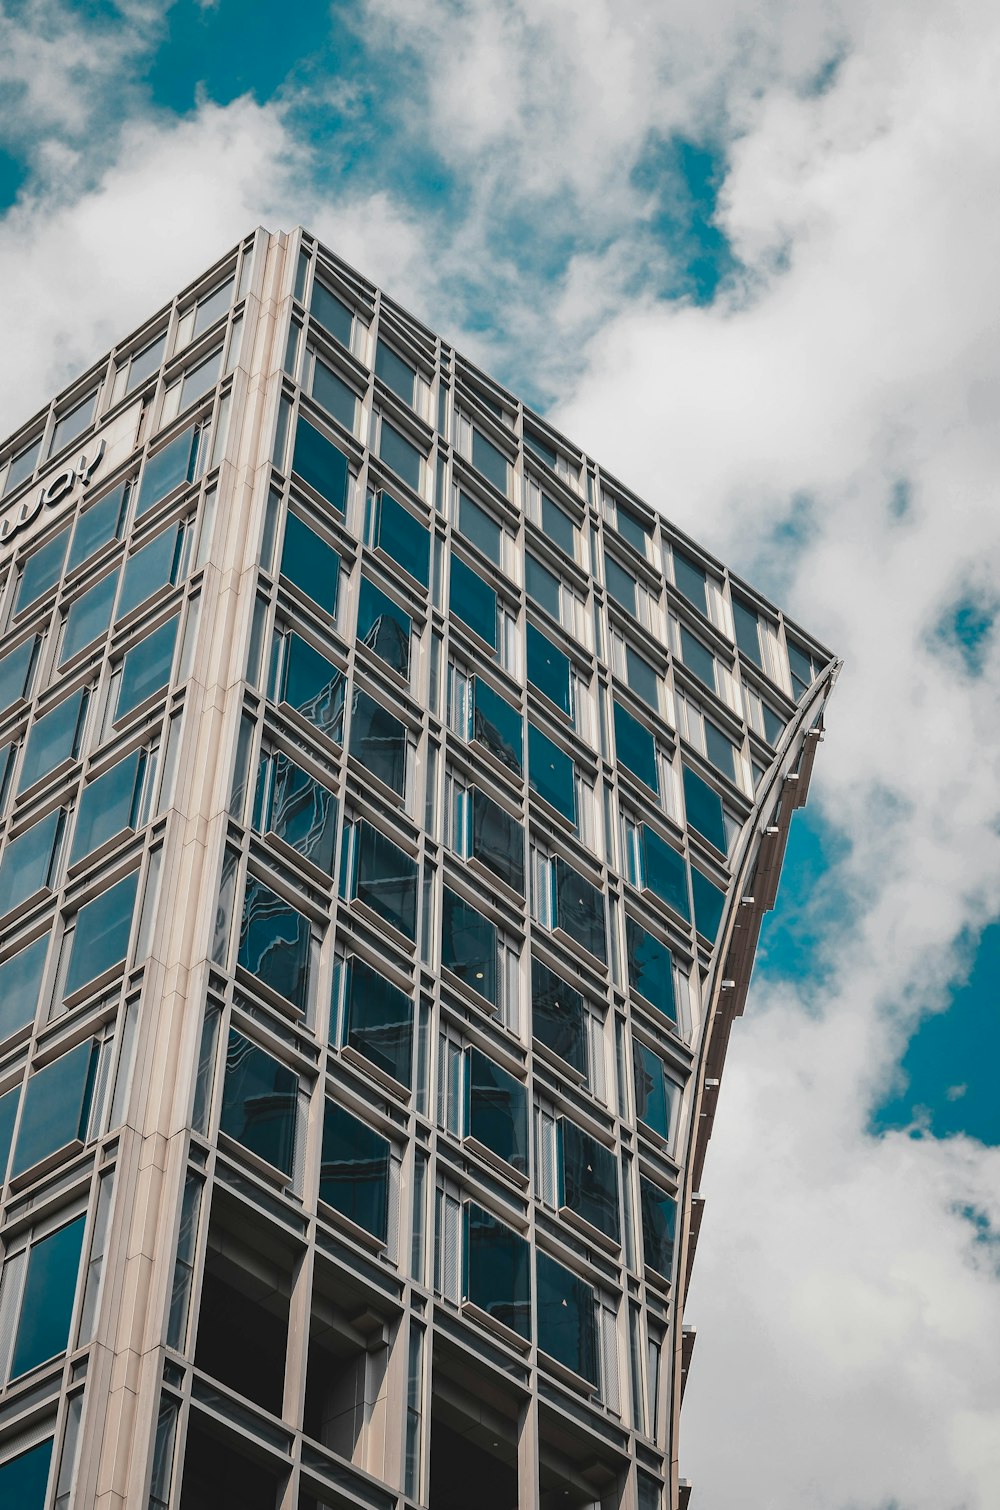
(632, 529)
(469, 945)
(320, 464)
(169, 468)
(332, 313)
(491, 835)
(145, 362)
(709, 902)
(56, 1108)
(804, 668)
(100, 935)
(747, 632)
(42, 570)
(384, 628)
(309, 683)
(211, 306)
(110, 804)
(690, 580)
(621, 585)
(17, 669)
(400, 454)
(88, 617)
(378, 742)
(641, 677)
(548, 669)
(497, 724)
(382, 876)
(657, 1096)
(377, 1019)
(635, 747)
(588, 1179)
(275, 943)
(497, 1110)
(50, 1267)
(650, 969)
(23, 1479)
(542, 586)
(551, 773)
(30, 861)
(260, 1103)
(20, 983)
(22, 465)
(472, 601)
(354, 1172)
(152, 567)
(720, 750)
(73, 423)
(396, 374)
(310, 564)
(490, 461)
(698, 659)
(54, 739)
(567, 1327)
(99, 524)
(558, 1016)
(578, 909)
(198, 379)
(480, 528)
(558, 527)
(297, 809)
(497, 1275)
(336, 396)
(402, 537)
(659, 1219)
(146, 668)
(657, 867)
(703, 807)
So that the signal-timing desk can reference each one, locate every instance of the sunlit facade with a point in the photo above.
(389, 803)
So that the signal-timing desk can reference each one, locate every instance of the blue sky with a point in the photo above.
(745, 255)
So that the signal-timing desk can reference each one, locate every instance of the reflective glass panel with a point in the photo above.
(53, 738)
(642, 678)
(70, 425)
(620, 584)
(150, 568)
(542, 585)
(497, 725)
(473, 601)
(720, 750)
(558, 1016)
(22, 465)
(589, 1174)
(632, 529)
(298, 810)
(551, 773)
(101, 523)
(108, 805)
(650, 969)
(23, 1479)
(212, 306)
(47, 1305)
(567, 1324)
(548, 669)
(490, 461)
(378, 1020)
(100, 939)
(145, 362)
(801, 667)
(168, 469)
(664, 871)
(385, 879)
(579, 910)
(497, 1110)
(690, 580)
(541, 448)
(703, 807)
(146, 667)
(378, 742)
(384, 627)
(332, 313)
(310, 563)
(56, 1106)
(275, 943)
(259, 1102)
(394, 372)
(199, 379)
(653, 1089)
(42, 571)
(8, 1114)
(774, 726)
(635, 747)
(496, 839)
(497, 1270)
(20, 983)
(402, 537)
(476, 525)
(319, 463)
(709, 901)
(747, 632)
(698, 658)
(337, 398)
(17, 670)
(558, 527)
(88, 617)
(469, 945)
(312, 685)
(354, 1172)
(29, 860)
(400, 454)
(659, 1219)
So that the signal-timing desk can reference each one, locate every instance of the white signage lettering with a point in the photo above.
(53, 492)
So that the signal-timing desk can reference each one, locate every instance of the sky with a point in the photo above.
(746, 255)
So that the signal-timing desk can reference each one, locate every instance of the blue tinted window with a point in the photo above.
(23, 1479)
(332, 313)
(101, 523)
(709, 900)
(394, 372)
(310, 563)
(8, 1114)
(497, 1274)
(150, 568)
(558, 527)
(496, 839)
(489, 460)
(801, 666)
(378, 742)
(664, 871)
(384, 627)
(472, 601)
(311, 684)
(632, 529)
(56, 1107)
(20, 983)
(558, 1016)
(385, 879)
(697, 658)
(720, 750)
(476, 525)
(747, 632)
(108, 805)
(579, 908)
(402, 537)
(635, 747)
(497, 725)
(400, 454)
(650, 969)
(652, 1096)
(497, 1110)
(17, 670)
(275, 943)
(659, 1219)
(542, 585)
(567, 1323)
(774, 726)
(175, 464)
(54, 738)
(548, 669)
(200, 378)
(378, 1020)
(100, 939)
(47, 1309)
(354, 1172)
(551, 773)
(541, 448)
(29, 861)
(589, 1174)
(145, 362)
(469, 945)
(620, 584)
(319, 463)
(42, 571)
(298, 809)
(88, 617)
(146, 667)
(259, 1102)
(212, 306)
(22, 466)
(690, 580)
(703, 807)
(336, 397)
(642, 678)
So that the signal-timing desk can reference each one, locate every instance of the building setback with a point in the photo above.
(389, 802)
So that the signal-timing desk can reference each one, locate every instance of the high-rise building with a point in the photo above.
(389, 801)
